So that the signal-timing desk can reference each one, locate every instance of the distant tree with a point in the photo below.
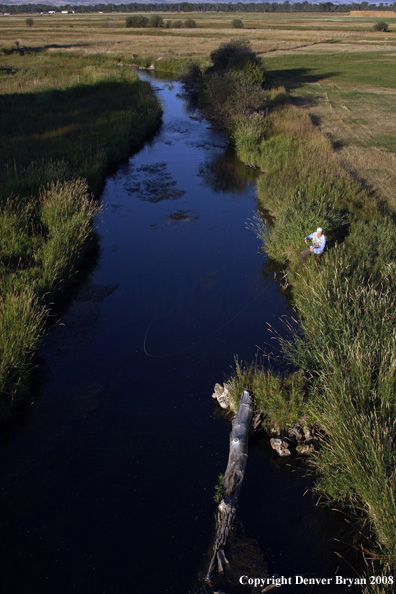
(156, 21)
(190, 24)
(232, 55)
(381, 26)
(29, 22)
(136, 21)
(177, 24)
(237, 24)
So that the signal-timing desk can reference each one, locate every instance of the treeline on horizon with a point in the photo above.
(198, 7)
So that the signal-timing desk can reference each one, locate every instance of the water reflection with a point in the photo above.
(226, 173)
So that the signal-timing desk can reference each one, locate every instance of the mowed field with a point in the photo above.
(335, 66)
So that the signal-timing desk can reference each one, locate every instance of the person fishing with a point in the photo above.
(318, 244)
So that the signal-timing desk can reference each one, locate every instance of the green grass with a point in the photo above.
(344, 346)
(373, 69)
(279, 399)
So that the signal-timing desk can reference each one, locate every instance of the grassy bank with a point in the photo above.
(64, 116)
(344, 343)
(344, 346)
(64, 121)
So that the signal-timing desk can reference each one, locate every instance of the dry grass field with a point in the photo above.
(335, 65)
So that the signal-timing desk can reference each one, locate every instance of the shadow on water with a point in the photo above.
(226, 173)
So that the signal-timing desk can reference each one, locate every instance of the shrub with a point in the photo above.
(190, 24)
(29, 22)
(136, 21)
(229, 96)
(231, 53)
(177, 24)
(232, 87)
(237, 24)
(237, 55)
(381, 26)
(156, 21)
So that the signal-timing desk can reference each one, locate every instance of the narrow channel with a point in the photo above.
(107, 481)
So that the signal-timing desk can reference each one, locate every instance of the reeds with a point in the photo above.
(22, 317)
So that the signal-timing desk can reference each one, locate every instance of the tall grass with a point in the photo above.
(66, 216)
(345, 341)
(43, 243)
(344, 345)
(279, 399)
(22, 319)
(347, 352)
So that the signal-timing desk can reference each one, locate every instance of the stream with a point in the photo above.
(107, 479)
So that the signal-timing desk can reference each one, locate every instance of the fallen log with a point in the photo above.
(232, 485)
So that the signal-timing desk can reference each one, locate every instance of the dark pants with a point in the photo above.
(305, 253)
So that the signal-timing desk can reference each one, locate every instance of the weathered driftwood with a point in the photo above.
(232, 484)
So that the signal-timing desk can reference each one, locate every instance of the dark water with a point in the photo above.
(107, 481)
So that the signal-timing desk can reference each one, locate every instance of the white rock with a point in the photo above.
(222, 395)
(281, 446)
